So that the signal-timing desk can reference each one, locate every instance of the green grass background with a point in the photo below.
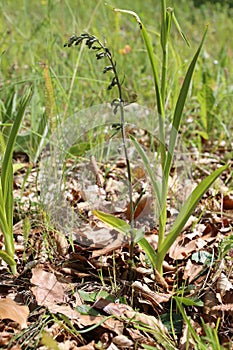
(32, 33)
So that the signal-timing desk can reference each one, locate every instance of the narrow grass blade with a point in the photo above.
(6, 185)
(187, 321)
(179, 108)
(7, 170)
(183, 36)
(185, 212)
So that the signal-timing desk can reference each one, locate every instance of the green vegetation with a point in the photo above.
(169, 62)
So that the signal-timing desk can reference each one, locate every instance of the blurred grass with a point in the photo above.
(32, 35)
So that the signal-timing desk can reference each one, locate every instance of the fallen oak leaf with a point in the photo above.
(47, 289)
(127, 312)
(9, 309)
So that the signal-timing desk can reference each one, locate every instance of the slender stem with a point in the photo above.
(122, 115)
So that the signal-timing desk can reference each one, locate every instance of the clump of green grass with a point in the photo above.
(6, 181)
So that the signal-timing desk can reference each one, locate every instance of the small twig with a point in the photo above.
(96, 171)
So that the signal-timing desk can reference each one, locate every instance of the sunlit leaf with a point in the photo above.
(9, 309)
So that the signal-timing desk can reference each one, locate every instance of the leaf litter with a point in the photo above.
(77, 293)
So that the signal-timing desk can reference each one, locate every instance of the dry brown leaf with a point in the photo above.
(61, 243)
(5, 338)
(191, 271)
(122, 341)
(155, 298)
(144, 208)
(179, 252)
(64, 310)
(210, 300)
(223, 284)
(117, 309)
(112, 346)
(116, 244)
(125, 311)
(227, 203)
(111, 323)
(47, 288)
(150, 321)
(13, 311)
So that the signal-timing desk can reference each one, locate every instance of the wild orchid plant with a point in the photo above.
(160, 187)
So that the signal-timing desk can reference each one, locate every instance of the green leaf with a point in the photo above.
(123, 227)
(186, 210)
(87, 310)
(206, 100)
(7, 258)
(190, 301)
(179, 28)
(179, 108)
(150, 252)
(116, 223)
(154, 65)
(6, 183)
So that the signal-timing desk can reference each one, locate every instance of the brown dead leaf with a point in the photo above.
(127, 312)
(122, 341)
(116, 244)
(191, 271)
(47, 288)
(144, 208)
(210, 300)
(224, 308)
(61, 243)
(179, 250)
(154, 298)
(110, 323)
(13, 311)
(227, 203)
(223, 284)
(64, 310)
(116, 309)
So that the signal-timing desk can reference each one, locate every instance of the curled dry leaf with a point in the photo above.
(126, 312)
(155, 298)
(223, 284)
(110, 323)
(191, 271)
(122, 341)
(47, 288)
(13, 311)
(61, 243)
(144, 208)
